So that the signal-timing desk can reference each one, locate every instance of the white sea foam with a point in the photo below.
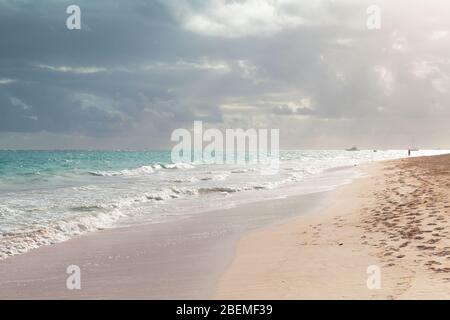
(215, 177)
(180, 165)
(38, 235)
(148, 169)
(132, 172)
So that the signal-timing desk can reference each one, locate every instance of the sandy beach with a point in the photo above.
(395, 217)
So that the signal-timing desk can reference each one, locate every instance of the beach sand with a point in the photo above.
(396, 218)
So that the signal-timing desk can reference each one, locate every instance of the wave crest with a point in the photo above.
(149, 169)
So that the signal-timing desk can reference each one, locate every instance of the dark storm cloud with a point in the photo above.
(89, 81)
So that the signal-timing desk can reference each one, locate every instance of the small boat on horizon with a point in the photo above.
(352, 149)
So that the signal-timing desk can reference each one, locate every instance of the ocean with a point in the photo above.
(51, 196)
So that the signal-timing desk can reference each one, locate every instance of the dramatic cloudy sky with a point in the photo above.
(139, 69)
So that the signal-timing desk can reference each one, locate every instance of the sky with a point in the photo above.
(137, 70)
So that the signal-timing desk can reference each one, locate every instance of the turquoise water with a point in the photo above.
(32, 169)
(51, 196)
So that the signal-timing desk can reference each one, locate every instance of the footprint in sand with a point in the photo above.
(426, 247)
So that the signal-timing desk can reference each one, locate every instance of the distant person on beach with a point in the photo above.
(409, 152)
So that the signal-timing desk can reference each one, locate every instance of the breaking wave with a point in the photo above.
(149, 169)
